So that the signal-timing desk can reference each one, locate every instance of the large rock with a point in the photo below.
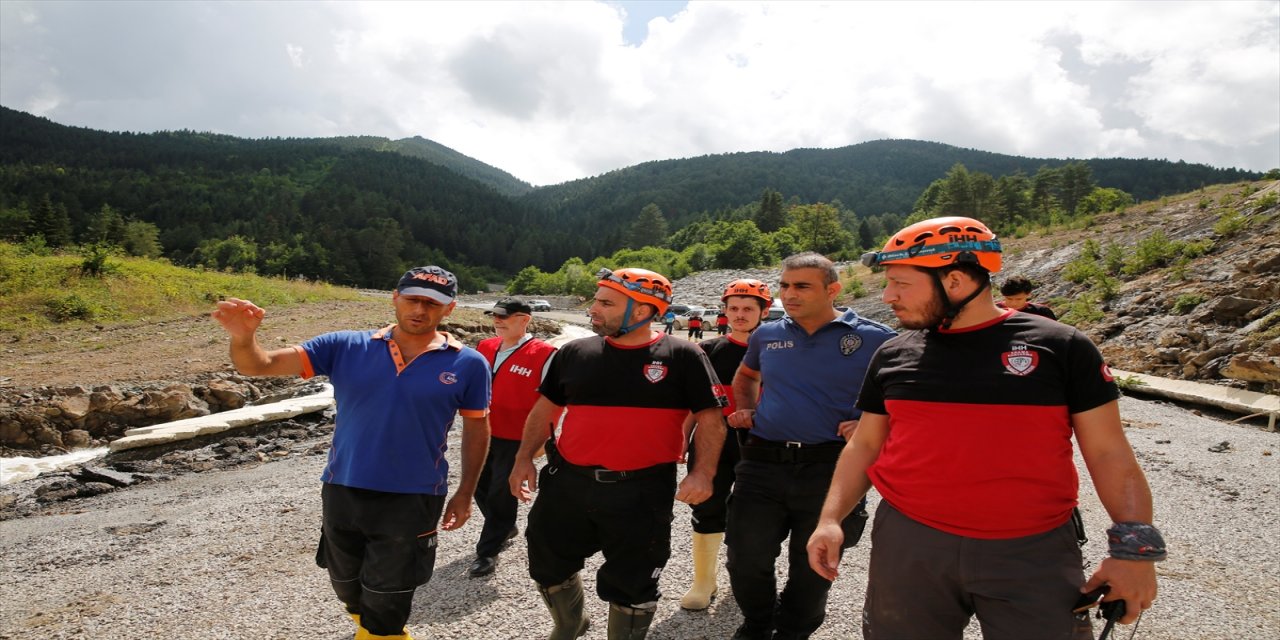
(1252, 368)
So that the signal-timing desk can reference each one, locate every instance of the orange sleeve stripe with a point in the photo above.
(307, 371)
(473, 413)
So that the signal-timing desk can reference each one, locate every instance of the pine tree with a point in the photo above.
(52, 222)
(771, 216)
(649, 229)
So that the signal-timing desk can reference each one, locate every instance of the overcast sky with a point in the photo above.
(557, 91)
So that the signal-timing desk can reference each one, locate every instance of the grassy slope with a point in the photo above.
(39, 291)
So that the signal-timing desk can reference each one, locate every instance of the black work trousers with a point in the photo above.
(711, 515)
(378, 547)
(629, 521)
(771, 502)
(493, 496)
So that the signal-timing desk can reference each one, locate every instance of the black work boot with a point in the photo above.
(564, 601)
(629, 623)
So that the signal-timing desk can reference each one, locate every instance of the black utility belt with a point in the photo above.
(760, 450)
(609, 476)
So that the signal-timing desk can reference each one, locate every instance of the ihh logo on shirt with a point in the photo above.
(521, 371)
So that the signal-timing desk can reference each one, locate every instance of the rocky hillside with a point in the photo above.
(1185, 287)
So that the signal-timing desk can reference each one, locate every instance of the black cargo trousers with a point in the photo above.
(626, 516)
(379, 548)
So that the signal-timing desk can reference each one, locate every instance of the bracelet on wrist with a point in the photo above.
(1136, 541)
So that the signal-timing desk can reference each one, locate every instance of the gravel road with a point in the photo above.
(228, 554)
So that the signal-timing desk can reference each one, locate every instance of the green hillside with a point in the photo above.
(359, 210)
(872, 178)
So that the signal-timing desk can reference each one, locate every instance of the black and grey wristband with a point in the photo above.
(1136, 541)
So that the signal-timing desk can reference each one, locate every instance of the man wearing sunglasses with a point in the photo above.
(518, 362)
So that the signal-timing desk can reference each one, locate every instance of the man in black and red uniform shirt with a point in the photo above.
(745, 304)
(966, 433)
(611, 473)
(518, 361)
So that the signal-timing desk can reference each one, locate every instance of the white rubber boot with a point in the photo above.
(706, 554)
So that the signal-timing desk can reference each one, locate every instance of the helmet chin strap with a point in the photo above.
(628, 328)
(954, 308)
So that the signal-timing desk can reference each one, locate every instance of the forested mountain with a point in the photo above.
(436, 153)
(358, 210)
(883, 176)
(309, 207)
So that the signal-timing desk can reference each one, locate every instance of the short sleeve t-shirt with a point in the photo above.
(393, 418)
(811, 382)
(625, 405)
(980, 430)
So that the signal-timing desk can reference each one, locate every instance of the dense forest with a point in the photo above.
(359, 210)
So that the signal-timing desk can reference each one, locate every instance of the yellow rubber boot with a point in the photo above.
(363, 634)
(706, 554)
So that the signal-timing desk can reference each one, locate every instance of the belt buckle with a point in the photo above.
(792, 444)
(603, 478)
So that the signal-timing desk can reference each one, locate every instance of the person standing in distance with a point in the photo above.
(745, 304)
(397, 391)
(610, 475)
(976, 402)
(518, 361)
(1016, 292)
(695, 327)
(811, 362)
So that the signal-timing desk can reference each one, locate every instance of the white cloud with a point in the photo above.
(552, 92)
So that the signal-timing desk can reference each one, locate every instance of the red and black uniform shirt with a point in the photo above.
(626, 405)
(980, 431)
(725, 354)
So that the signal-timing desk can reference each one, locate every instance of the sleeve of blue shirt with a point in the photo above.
(476, 395)
(323, 349)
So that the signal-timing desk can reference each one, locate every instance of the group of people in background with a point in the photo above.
(963, 423)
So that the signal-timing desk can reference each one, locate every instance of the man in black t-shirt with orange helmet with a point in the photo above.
(611, 473)
(966, 433)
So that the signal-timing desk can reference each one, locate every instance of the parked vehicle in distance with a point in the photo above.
(678, 309)
(775, 310)
(539, 305)
(708, 318)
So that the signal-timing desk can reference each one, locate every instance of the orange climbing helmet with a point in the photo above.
(748, 287)
(641, 285)
(940, 242)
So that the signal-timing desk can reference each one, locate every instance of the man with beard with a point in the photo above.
(745, 305)
(610, 475)
(810, 365)
(397, 390)
(966, 434)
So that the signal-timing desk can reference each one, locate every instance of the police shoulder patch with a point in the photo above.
(849, 343)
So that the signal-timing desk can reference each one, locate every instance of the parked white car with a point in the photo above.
(539, 305)
(708, 319)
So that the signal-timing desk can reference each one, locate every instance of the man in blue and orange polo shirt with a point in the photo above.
(397, 391)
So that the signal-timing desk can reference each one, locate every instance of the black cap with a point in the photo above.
(508, 306)
(431, 281)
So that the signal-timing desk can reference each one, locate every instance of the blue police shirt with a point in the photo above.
(811, 382)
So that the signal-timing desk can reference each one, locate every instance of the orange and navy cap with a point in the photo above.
(430, 281)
